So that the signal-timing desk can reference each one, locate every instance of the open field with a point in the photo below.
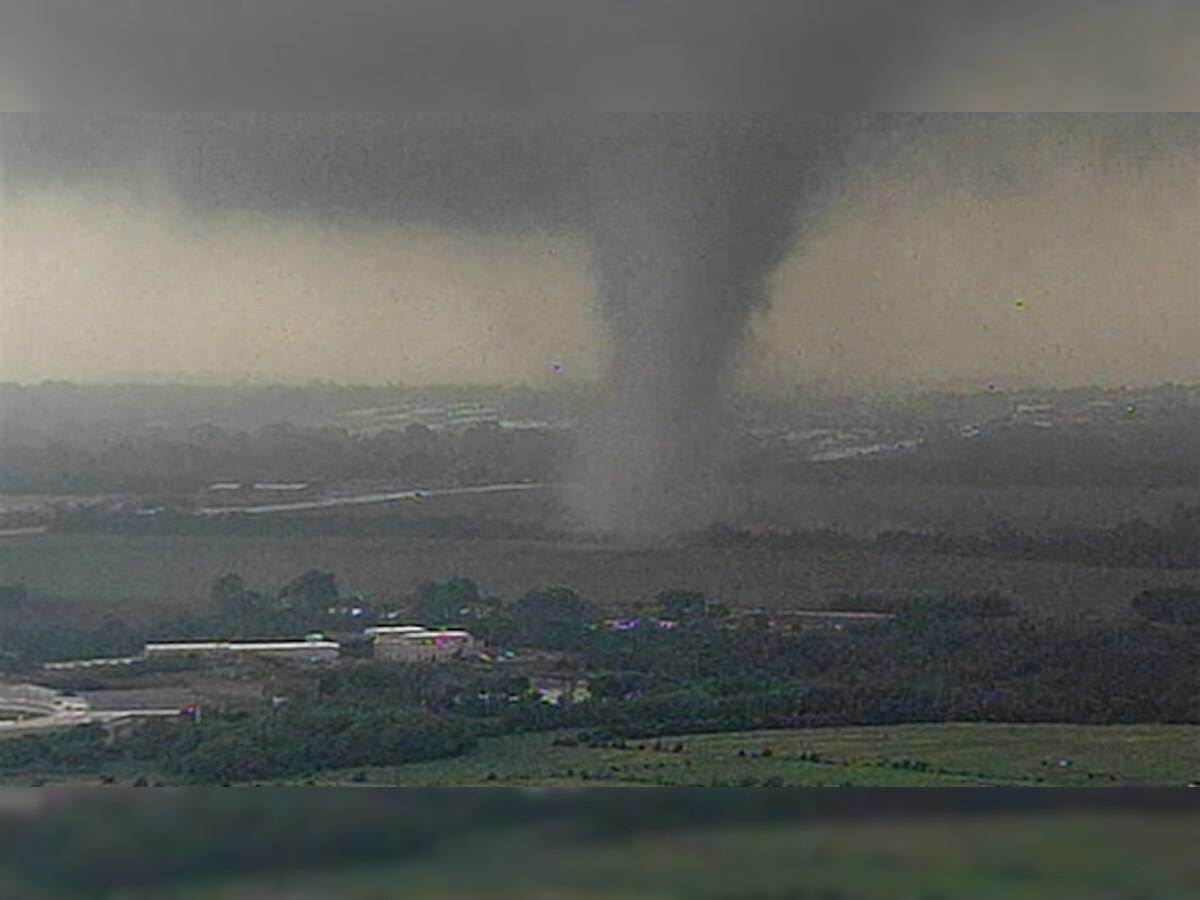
(1027, 856)
(864, 509)
(905, 756)
(935, 755)
(819, 499)
(153, 578)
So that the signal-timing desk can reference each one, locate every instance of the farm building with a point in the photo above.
(103, 663)
(299, 651)
(310, 650)
(411, 643)
(187, 650)
(390, 632)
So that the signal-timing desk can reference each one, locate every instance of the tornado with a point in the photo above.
(689, 220)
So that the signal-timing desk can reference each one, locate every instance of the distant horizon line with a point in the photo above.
(818, 389)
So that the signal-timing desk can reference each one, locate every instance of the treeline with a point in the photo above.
(28, 637)
(410, 525)
(927, 666)
(552, 617)
(1173, 544)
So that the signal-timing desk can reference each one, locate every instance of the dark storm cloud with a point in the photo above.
(479, 171)
(474, 171)
(521, 54)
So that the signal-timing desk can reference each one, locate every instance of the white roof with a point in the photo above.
(195, 647)
(428, 635)
(243, 646)
(396, 629)
(267, 646)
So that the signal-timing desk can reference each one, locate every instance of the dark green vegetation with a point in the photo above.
(712, 846)
(158, 579)
(942, 658)
(312, 736)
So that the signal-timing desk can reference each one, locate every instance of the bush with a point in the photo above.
(1169, 606)
(306, 739)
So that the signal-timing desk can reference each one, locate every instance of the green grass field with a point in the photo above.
(153, 578)
(902, 756)
(906, 756)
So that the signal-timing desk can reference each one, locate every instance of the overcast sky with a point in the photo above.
(1047, 252)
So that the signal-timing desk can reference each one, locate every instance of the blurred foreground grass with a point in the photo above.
(1037, 857)
(707, 845)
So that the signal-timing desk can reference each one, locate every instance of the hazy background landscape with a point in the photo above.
(730, 449)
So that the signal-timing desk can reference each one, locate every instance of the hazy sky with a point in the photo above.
(1049, 253)
(1061, 256)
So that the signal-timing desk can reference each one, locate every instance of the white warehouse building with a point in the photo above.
(314, 649)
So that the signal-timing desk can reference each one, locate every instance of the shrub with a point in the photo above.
(1170, 606)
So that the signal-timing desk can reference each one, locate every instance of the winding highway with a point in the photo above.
(365, 500)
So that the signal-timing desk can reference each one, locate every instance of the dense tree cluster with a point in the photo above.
(311, 738)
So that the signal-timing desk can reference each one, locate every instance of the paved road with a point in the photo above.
(51, 710)
(24, 532)
(366, 499)
(42, 709)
